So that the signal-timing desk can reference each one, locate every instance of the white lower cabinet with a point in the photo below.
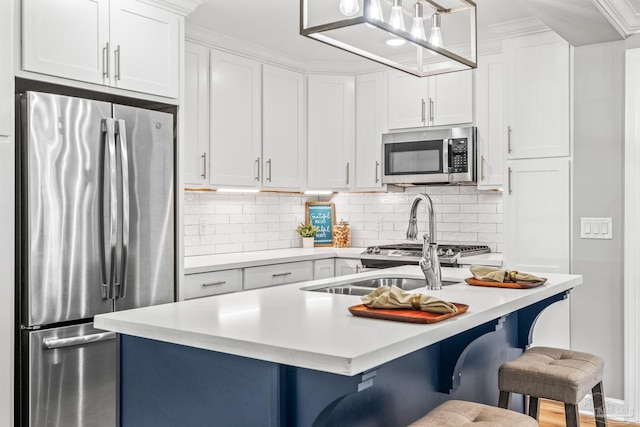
(346, 266)
(277, 274)
(212, 283)
(323, 269)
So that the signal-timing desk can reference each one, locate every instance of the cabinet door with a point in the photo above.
(408, 98)
(370, 109)
(537, 84)
(196, 114)
(6, 79)
(323, 269)
(234, 131)
(345, 266)
(537, 216)
(450, 98)
(331, 132)
(490, 121)
(145, 43)
(66, 38)
(283, 144)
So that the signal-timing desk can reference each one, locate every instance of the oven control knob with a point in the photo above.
(449, 252)
(440, 252)
(373, 250)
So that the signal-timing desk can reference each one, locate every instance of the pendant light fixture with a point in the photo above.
(362, 27)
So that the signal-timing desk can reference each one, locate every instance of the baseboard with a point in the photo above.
(616, 409)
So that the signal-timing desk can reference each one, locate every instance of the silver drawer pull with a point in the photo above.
(281, 274)
(221, 282)
(51, 343)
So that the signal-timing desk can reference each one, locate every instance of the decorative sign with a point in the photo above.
(322, 215)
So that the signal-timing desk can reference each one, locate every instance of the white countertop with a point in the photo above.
(206, 263)
(315, 330)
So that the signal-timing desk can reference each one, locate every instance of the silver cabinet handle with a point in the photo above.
(269, 176)
(281, 274)
(347, 173)
(509, 179)
(481, 168)
(257, 163)
(105, 61)
(424, 107)
(124, 172)
(508, 139)
(116, 56)
(357, 268)
(377, 166)
(204, 165)
(53, 343)
(218, 283)
(431, 108)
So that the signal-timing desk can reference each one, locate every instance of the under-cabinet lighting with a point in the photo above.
(318, 192)
(237, 190)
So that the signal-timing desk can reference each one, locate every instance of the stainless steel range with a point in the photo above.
(385, 256)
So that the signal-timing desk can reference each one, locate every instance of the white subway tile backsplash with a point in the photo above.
(226, 223)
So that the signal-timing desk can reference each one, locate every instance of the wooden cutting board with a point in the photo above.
(512, 285)
(405, 315)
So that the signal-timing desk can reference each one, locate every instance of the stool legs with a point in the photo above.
(503, 400)
(534, 407)
(598, 405)
(571, 415)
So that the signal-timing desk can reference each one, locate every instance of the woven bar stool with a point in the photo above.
(555, 374)
(458, 413)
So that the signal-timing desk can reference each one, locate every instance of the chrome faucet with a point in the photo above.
(429, 262)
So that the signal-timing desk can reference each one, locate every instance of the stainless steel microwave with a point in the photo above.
(434, 156)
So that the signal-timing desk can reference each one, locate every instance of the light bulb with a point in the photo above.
(375, 10)
(435, 38)
(417, 29)
(396, 20)
(349, 7)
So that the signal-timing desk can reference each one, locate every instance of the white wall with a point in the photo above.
(596, 312)
(224, 223)
(6, 215)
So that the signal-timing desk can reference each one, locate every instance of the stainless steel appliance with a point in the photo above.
(96, 234)
(385, 256)
(437, 156)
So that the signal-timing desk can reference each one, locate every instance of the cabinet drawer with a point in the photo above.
(277, 274)
(212, 283)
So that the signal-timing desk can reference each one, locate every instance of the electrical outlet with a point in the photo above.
(596, 228)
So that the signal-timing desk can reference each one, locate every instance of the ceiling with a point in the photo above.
(273, 26)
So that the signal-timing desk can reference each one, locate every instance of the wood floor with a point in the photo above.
(552, 415)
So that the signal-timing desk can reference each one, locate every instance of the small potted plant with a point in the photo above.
(308, 233)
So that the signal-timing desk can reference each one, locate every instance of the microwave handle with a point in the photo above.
(449, 155)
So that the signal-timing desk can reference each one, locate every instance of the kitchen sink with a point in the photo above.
(364, 287)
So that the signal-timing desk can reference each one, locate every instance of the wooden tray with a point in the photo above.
(404, 315)
(512, 285)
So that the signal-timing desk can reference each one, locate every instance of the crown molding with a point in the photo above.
(621, 14)
(518, 27)
(181, 7)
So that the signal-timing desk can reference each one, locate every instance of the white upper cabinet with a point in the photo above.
(120, 43)
(370, 125)
(439, 100)
(490, 121)
(235, 121)
(537, 84)
(196, 115)
(6, 77)
(331, 132)
(283, 143)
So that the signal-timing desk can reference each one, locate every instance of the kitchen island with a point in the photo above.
(284, 356)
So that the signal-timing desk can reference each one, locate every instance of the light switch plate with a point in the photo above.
(596, 228)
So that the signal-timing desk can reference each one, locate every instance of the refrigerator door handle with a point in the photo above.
(124, 161)
(108, 259)
(53, 343)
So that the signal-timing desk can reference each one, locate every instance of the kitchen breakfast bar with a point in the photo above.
(286, 356)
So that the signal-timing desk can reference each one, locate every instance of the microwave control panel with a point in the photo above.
(458, 155)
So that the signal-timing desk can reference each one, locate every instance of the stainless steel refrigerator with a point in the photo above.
(96, 234)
